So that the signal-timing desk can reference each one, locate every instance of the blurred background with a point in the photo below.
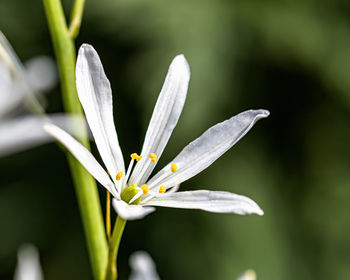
(290, 57)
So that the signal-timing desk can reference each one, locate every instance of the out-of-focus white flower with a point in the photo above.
(142, 267)
(248, 275)
(21, 133)
(28, 264)
(135, 193)
(19, 85)
(19, 88)
(41, 73)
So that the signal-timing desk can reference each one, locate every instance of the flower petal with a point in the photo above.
(16, 83)
(174, 189)
(26, 132)
(211, 201)
(83, 155)
(142, 267)
(10, 58)
(28, 265)
(164, 118)
(207, 148)
(95, 95)
(11, 70)
(20, 134)
(131, 212)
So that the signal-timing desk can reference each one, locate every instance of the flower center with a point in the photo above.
(129, 192)
(132, 194)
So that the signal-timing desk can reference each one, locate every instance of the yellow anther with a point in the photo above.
(162, 189)
(173, 167)
(153, 157)
(145, 189)
(134, 156)
(119, 175)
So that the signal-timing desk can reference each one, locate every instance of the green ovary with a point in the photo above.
(128, 193)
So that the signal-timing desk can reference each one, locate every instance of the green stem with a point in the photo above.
(76, 17)
(85, 185)
(113, 249)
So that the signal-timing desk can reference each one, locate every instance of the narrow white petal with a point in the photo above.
(16, 87)
(11, 93)
(28, 265)
(164, 118)
(8, 55)
(142, 267)
(131, 212)
(26, 132)
(174, 189)
(211, 201)
(203, 151)
(20, 134)
(95, 95)
(83, 155)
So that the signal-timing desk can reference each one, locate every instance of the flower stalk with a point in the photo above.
(108, 216)
(118, 230)
(76, 17)
(85, 185)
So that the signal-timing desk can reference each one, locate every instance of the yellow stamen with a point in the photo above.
(162, 189)
(119, 175)
(153, 157)
(145, 189)
(134, 156)
(173, 167)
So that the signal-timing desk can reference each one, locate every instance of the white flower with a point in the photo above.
(19, 85)
(19, 89)
(28, 264)
(134, 193)
(142, 267)
(248, 275)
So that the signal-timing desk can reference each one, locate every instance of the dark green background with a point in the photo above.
(290, 57)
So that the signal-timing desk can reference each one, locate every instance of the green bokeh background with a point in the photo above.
(290, 57)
